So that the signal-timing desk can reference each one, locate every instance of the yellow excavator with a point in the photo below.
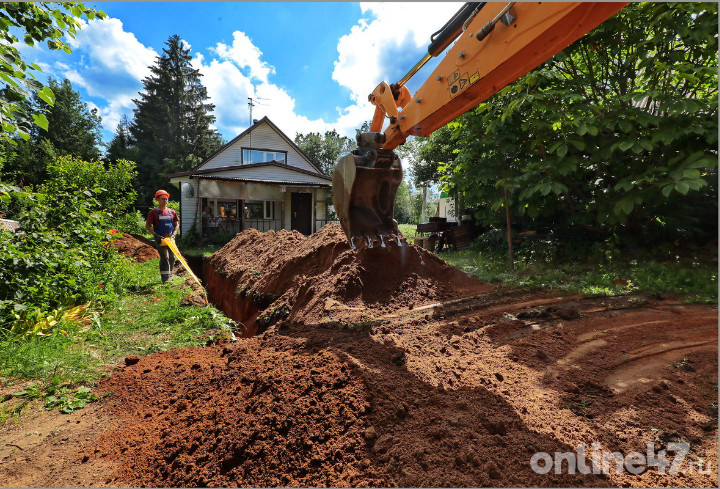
(497, 43)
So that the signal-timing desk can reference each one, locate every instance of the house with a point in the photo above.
(259, 180)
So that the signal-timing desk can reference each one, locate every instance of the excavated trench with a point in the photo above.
(258, 279)
(222, 292)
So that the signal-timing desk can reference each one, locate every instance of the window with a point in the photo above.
(261, 156)
(260, 210)
(227, 208)
(253, 210)
(268, 208)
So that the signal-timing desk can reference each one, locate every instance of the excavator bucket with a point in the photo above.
(364, 186)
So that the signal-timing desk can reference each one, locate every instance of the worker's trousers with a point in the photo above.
(167, 261)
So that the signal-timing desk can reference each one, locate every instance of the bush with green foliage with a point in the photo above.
(59, 257)
(112, 185)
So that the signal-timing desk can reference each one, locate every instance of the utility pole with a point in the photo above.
(250, 106)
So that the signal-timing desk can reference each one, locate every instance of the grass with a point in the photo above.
(695, 281)
(146, 319)
(408, 230)
(203, 252)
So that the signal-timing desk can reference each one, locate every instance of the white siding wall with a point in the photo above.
(263, 137)
(190, 208)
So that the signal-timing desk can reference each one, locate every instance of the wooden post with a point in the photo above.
(509, 230)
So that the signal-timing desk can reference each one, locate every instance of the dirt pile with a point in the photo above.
(320, 279)
(256, 414)
(394, 369)
(135, 247)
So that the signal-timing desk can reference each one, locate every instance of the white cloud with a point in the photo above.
(246, 55)
(112, 65)
(371, 52)
(229, 88)
(383, 46)
(112, 50)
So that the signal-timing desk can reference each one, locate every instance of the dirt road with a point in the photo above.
(386, 367)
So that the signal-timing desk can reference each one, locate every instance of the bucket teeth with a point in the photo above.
(372, 241)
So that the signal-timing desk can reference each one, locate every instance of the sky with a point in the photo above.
(308, 66)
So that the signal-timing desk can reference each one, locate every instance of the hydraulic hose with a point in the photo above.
(442, 38)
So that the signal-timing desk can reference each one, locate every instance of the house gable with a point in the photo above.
(263, 136)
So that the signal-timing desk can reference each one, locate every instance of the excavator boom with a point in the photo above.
(497, 43)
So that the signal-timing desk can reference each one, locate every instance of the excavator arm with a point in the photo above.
(497, 43)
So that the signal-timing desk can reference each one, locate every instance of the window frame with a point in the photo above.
(269, 205)
(265, 152)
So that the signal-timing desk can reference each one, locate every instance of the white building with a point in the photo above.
(260, 180)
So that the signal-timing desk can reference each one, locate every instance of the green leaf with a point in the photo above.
(645, 143)
(32, 84)
(625, 145)
(562, 150)
(545, 189)
(625, 205)
(682, 187)
(592, 130)
(624, 185)
(41, 120)
(579, 145)
(47, 95)
(8, 79)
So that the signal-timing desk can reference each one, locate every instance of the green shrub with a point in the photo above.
(131, 222)
(221, 238)
(59, 257)
(189, 238)
(112, 185)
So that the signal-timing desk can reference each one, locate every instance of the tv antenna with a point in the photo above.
(252, 102)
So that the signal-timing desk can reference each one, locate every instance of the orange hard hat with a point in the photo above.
(160, 193)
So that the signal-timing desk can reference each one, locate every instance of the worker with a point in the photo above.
(162, 223)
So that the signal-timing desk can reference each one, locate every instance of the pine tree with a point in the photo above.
(171, 127)
(122, 147)
(73, 128)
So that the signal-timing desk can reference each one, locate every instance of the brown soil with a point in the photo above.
(390, 368)
(135, 247)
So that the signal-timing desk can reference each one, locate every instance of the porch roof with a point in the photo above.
(255, 180)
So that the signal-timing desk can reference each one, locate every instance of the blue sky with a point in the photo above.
(309, 65)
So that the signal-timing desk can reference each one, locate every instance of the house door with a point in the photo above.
(301, 212)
